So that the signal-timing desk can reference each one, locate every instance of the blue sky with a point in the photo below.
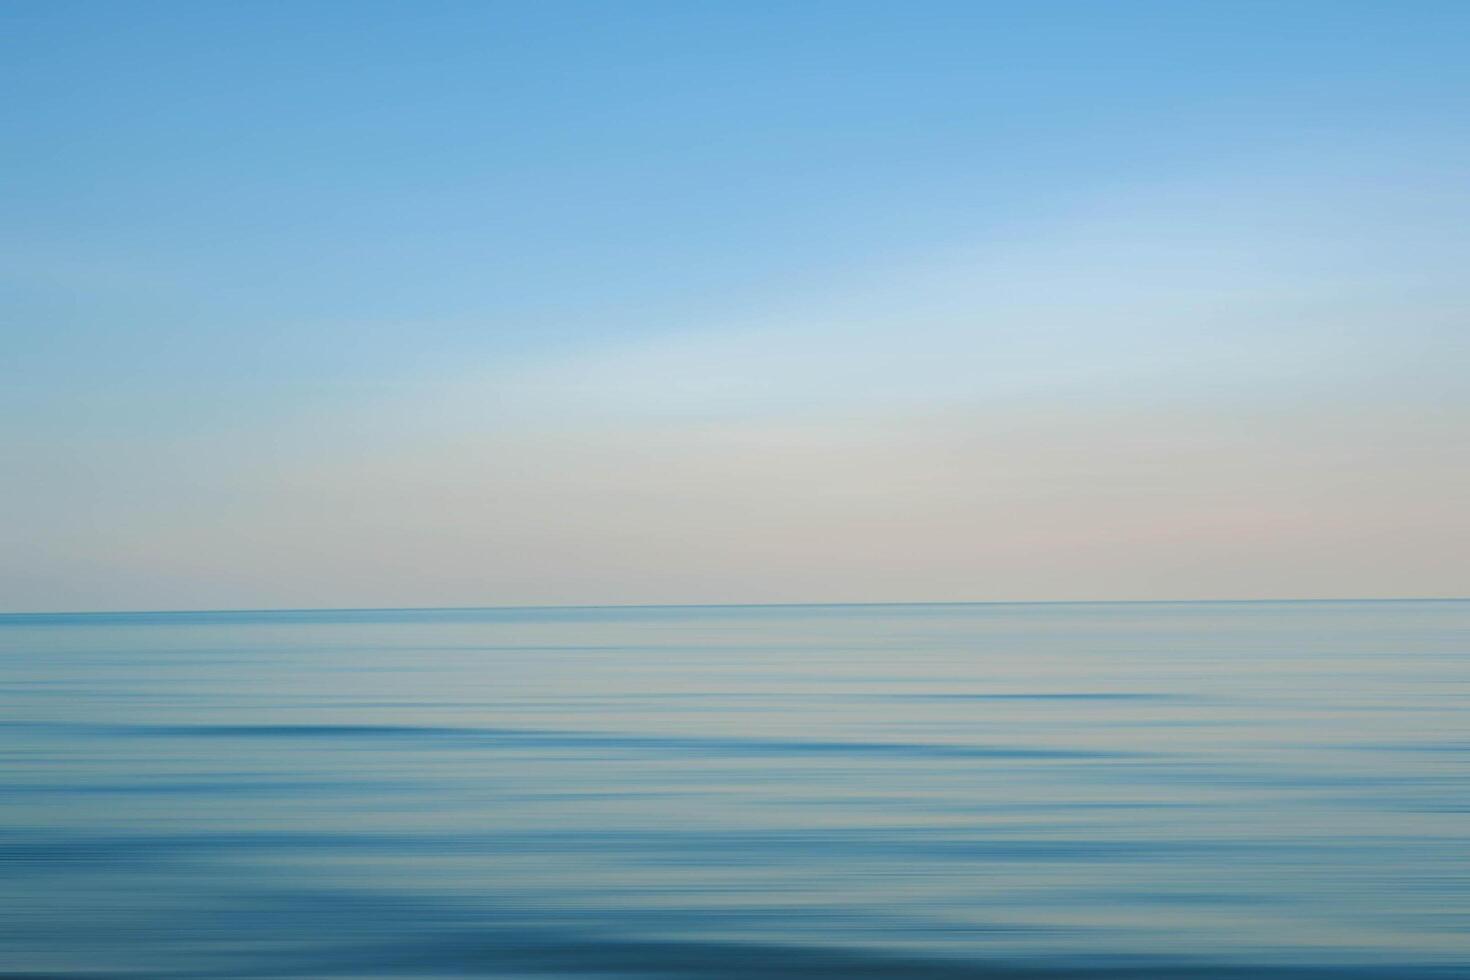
(354, 304)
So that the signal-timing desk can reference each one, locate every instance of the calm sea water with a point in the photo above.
(956, 791)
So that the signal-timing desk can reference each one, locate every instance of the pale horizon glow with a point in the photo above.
(363, 306)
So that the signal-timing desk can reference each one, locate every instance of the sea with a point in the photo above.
(1007, 791)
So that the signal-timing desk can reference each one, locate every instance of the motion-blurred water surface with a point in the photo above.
(950, 791)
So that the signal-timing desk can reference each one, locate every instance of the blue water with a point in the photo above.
(949, 791)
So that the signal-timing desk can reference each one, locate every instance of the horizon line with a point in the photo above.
(716, 605)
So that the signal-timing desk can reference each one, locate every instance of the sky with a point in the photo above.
(366, 304)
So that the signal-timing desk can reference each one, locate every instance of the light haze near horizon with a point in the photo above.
(449, 304)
